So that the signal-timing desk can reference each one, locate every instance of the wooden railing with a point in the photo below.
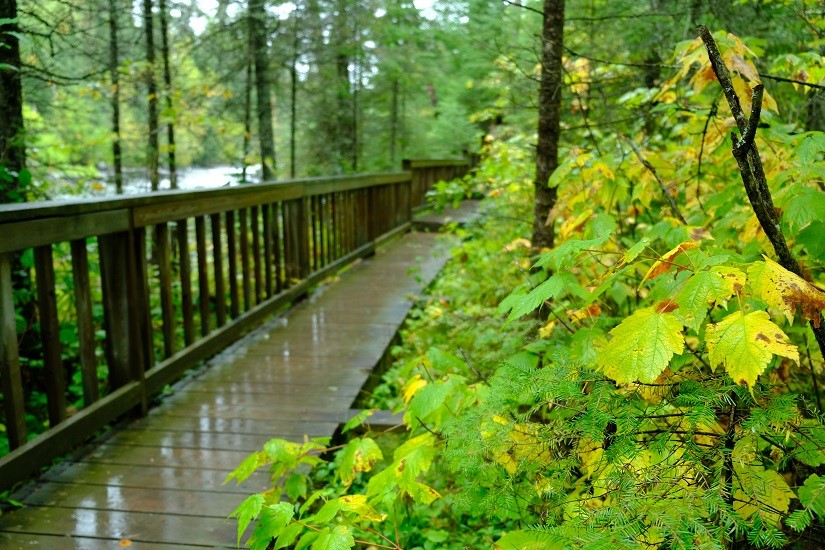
(126, 294)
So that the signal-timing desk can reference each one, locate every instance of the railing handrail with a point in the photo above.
(72, 207)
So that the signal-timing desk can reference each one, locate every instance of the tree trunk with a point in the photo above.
(547, 149)
(345, 131)
(114, 70)
(257, 31)
(393, 121)
(247, 110)
(12, 141)
(167, 85)
(293, 96)
(152, 95)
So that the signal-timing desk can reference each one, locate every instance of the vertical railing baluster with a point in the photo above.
(245, 272)
(185, 268)
(277, 240)
(232, 258)
(217, 264)
(167, 307)
(11, 380)
(50, 334)
(266, 214)
(85, 325)
(203, 274)
(256, 254)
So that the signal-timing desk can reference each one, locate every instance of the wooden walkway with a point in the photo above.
(157, 482)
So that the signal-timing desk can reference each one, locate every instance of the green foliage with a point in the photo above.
(645, 383)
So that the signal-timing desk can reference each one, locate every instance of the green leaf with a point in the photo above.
(805, 206)
(358, 456)
(564, 256)
(399, 478)
(274, 519)
(812, 494)
(561, 172)
(530, 540)
(246, 468)
(296, 486)
(641, 346)
(634, 251)
(811, 239)
(550, 288)
(585, 344)
(357, 505)
(431, 402)
(357, 420)
(338, 538)
(24, 177)
(705, 288)
(248, 509)
(288, 535)
(745, 344)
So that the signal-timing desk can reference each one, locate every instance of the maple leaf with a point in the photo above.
(359, 455)
(705, 288)
(745, 344)
(642, 346)
(784, 291)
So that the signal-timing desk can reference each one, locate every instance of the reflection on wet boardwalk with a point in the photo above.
(157, 482)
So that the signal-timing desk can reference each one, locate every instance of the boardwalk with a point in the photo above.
(157, 482)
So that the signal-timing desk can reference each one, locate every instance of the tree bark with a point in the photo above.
(247, 108)
(293, 97)
(114, 64)
(152, 95)
(167, 85)
(393, 121)
(12, 140)
(257, 31)
(547, 149)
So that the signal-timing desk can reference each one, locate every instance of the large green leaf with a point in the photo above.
(246, 511)
(274, 519)
(530, 540)
(641, 347)
(705, 288)
(812, 494)
(338, 538)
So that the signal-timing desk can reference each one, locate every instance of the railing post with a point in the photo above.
(50, 334)
(123, 275)
(12, 382)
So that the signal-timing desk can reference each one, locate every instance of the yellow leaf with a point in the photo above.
(411, 387)
(745, 344)
(547, 330)
(666, 262)
(784, 291)
(574, 224)
(641, 347)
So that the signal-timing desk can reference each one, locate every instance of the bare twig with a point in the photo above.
(793, 81)
(673, 206)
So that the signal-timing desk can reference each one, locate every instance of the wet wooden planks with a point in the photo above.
(157, 482)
